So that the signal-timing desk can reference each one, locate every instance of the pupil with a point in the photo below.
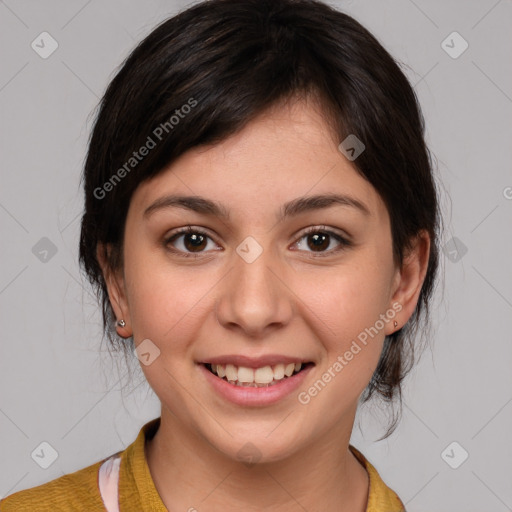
(319, 239)
(197, 241)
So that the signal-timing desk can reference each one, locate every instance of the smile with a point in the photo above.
(254, 382)
(255, 377)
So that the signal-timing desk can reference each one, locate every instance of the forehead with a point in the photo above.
(285, 153)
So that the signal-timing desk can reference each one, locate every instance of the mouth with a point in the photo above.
(262, 377)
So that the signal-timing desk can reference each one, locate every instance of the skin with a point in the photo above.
(285, 302)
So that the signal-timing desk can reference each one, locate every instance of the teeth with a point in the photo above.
(289, 369)
(231, 372)
(249, 377)
(279, 371)
(263, 375)
(245, 374)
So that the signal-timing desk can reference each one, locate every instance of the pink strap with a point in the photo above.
(108, 478)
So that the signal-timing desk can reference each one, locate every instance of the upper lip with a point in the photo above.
(253, 362)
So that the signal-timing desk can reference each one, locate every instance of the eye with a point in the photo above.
(319, 239)
(192, 244)
(193, 241)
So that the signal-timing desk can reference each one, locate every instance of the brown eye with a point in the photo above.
(188, 241)
(194, 241)
(320, 241)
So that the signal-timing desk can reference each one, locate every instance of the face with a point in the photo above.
(265, 278)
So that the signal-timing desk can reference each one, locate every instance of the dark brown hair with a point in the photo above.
(229, 61)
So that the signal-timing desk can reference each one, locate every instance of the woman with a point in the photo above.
(261, 223)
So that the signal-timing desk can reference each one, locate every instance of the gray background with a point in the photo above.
(58, 383)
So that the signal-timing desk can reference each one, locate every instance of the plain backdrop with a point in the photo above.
(58, 383)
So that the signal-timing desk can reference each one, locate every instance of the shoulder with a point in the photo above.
(380, 496)
(74, 491)
(79, 491)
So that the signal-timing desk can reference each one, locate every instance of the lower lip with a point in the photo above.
(251, 396)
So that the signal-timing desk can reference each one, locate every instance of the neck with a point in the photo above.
(190, 474)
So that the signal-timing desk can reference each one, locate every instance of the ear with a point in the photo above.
(114, 280)
(408, 281)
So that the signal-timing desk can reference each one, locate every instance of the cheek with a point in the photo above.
(345, 307)
(346, 300)
(347, 321)
(166, 302)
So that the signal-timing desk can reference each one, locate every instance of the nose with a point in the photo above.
(254, 297)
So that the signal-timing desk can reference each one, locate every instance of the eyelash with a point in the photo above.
(311, 230)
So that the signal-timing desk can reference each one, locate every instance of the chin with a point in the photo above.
(256, 448)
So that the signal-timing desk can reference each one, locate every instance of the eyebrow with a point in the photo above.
(295, 207)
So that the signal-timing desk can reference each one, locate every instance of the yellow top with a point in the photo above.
(79, 491)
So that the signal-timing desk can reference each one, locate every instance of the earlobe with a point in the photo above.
(116, 292)
(409, 279)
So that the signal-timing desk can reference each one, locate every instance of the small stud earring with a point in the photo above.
(396, 323)
(121, 323)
